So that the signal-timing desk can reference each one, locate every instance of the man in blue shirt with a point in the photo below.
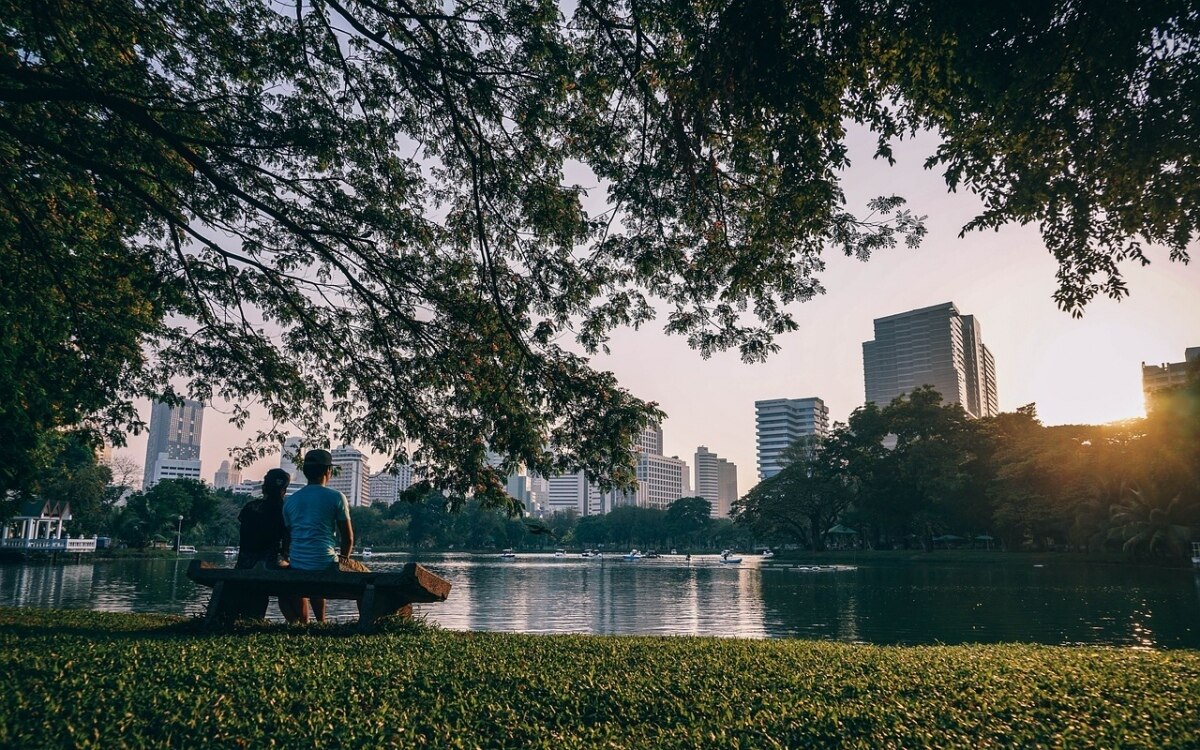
(317, 519)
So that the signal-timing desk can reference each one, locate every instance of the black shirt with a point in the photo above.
(262, 531)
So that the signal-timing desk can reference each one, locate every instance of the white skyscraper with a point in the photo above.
(173, 447)
(227, 476)
(385, 487)
(934, 346)
(572, 493)
(779, 422)
(352, 475)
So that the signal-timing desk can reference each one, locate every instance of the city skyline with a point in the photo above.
(1085, 370)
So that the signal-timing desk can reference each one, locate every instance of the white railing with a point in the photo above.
(49, 545)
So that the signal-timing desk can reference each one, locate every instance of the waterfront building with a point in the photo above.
(727, 477)
(779, 422)
(1156, 378)
(935, 346)
(716, 481)
(573, 493)
(351, 475)
(173, 445)
(385, 487)
(227, 476)
(661, 480)
(38, 527)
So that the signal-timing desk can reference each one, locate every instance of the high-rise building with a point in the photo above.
(779, 422)
(716, 481)
(573, 493)
(727, 475)
(351, 476)
(173, 447)
(385, 487)
(661, 480)
(227, 476)
(1169, 374)
(934, 346)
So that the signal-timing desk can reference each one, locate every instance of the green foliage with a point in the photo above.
(154, 513)
(359, 210)
(85, 679)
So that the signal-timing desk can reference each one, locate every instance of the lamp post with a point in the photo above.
(178, 531)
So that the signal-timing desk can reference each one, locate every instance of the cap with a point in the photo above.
(318, 457)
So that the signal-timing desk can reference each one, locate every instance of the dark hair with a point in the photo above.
(314, 472)
(276, 481)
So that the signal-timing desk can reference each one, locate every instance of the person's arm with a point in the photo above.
(345, 537)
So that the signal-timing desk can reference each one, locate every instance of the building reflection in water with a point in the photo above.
(890, 602)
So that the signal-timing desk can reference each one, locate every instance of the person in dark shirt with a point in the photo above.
(261, 541)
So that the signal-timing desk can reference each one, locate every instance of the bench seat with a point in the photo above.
(378, 594)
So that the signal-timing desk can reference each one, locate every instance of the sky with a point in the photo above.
(1076, 370)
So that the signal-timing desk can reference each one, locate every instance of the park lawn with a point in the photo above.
(85, 679)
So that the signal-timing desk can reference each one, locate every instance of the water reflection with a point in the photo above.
(873, 603)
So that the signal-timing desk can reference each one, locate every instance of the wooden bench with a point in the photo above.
(378, 594)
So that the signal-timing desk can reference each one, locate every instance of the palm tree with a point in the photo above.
(1145, 521)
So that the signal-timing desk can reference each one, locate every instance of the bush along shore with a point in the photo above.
(86, 679)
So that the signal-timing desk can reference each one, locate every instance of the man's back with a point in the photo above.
(311, 515)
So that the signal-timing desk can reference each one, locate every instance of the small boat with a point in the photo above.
(366, 553)
(230, 552)
(673, 552)
(187, 549)
(633, 555)
(560, 553)
(767, 554)
(727, 558)
(652, 555)
(508, 554)
(586, 553)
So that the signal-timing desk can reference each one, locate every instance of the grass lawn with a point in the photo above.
(84, 679)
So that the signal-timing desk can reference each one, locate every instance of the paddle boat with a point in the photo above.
(633, 555)
(560, 553)
(230, 552)
(367, 553)
(767, 554)
(727, 558)
(508, 554)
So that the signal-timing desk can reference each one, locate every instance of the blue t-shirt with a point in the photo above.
(311, 514)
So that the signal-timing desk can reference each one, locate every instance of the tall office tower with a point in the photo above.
(727, 474)
(385, 487)
(1169, 374)
(573, 493)
(290, 458)
(650, 441)
(352, 476)
(227, 476)
(779, 422)
(661, 480)
(934, 346)
(708, 476)
(173, 448)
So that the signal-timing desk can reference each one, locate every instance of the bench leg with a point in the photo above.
(368, 610)
(215, 617)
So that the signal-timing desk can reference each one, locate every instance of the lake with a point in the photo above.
(882, 602)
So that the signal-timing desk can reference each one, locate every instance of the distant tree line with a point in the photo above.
(918, 472)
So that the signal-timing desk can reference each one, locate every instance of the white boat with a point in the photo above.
(367, 552)
(633, 555)
(230, 552)
(508, 554)
(560, 553)
(767, 554)
(727, 558)
(187, 549)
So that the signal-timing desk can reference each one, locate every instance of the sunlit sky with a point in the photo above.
(1076, 370)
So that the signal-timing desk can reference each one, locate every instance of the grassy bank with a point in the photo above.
(93, 680)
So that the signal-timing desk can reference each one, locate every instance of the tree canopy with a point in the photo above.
(371, 218)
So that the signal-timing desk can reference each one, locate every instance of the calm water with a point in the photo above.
(876, 602)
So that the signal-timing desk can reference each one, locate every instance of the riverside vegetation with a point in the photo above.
(87, 679)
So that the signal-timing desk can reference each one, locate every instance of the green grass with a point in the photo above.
(83, 679)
